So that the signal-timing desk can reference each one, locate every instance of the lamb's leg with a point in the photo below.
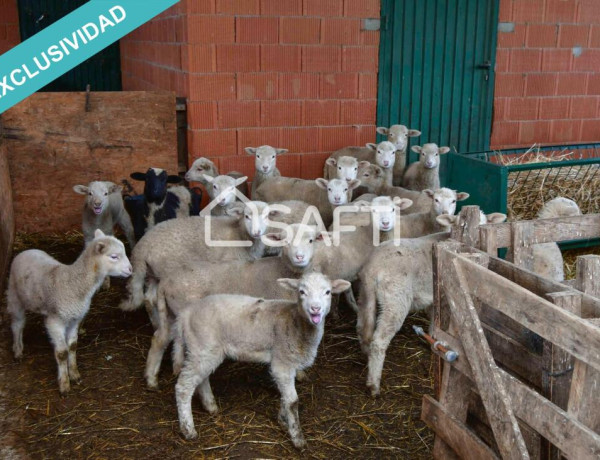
(17, 313)
(207, 397)
(72, 330)
(127, 227)
(57, 332)
(350, 300)
(367, 312)
(393, 314)
(160, 340)
(150, 301)
(288, 414)
(194, 372)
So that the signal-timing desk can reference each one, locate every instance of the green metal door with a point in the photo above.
(102, 71)
(436, 69)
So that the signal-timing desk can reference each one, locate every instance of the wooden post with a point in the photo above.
(521, 245)
(7, 221)
(488, 240)
(467, 229)
(584, 398)
(558, 364)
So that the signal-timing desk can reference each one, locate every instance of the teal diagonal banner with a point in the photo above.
(68, 42)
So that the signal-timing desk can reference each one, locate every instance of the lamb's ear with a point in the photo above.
(416, 148)
(414, 133)
(428, 192)
(174, 179)
(281, 151)
(289, 283)
(81, 189)
(280, 236)
(322, 183)
(446, 220)
(321, 235)
(338, 286)
(115, 189)
(383, 130)
(495, 218)
(241, 180)
(402, 203)
(462, 196)
(208, 178)
(138, 176)
(236, 210)
(99, 234)
(378, 171)
(354, 183)
(444, 150)
(363, 164)
(331, 161)
(251, 150)
(371, 146)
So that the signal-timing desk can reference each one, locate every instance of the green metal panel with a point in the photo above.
(429, 77)
(102, 71)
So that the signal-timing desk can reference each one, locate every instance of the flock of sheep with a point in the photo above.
(264, 300)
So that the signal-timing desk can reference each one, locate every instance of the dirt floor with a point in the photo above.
(112, 414)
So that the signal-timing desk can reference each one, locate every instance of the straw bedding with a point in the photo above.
(111, 414)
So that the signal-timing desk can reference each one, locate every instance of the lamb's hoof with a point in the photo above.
(64, 392)
(76, 380)
(374, 389)
(190, 434)
(299, 442)
(212, 409)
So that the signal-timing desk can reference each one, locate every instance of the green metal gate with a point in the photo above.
(436, 69)
(102, 71)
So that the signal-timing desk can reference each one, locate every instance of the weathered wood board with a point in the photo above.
(7, 221)
(53, 144)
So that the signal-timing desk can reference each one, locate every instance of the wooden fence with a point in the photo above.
(527, 380)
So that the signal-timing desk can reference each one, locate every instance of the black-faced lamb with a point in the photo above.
(103, 209)
(161, 203)
(62, 294)
(284, 334)
(265, 158)
(425, 173)
(396, 280)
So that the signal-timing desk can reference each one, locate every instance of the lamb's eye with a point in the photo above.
(273, 157)
(105, 193)
(345, 190)
(90, 194)
(114, 256)
(340, 168)
(310, 241)
(437, 201)
(327, 292)
(453, 201)
(436, 154)
(302, 292)
(329, 190)
(365, 175)
(215, 187)
(248, 217)
(356, 169)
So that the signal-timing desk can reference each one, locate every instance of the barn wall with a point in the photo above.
(9, 25)
(299, 74)
(48, 155)
(544, 93)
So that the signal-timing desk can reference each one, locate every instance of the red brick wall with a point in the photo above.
(298, 74)
(9, 25)
(543, 93)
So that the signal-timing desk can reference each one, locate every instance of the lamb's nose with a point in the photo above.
(386, 163)
(300, 257)
(315, 309)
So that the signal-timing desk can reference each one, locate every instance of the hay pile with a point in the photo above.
(529, 190)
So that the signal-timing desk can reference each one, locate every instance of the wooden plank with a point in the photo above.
(495, 398)
(123, 132)
(7, 220)
(521, 248)
(584, 399)
(454, 433)
(558, 364)
(553, 230)
(542, 317)
(488, 239)
(467, 231)
(568, 434)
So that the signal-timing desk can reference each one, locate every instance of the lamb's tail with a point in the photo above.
(135, 286)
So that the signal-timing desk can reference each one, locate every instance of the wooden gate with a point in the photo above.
(495, 399)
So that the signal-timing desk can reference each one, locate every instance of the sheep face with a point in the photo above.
(223, 188)
(200, 167)
(429, 154)
(338, 190)
(297, 242)
(265, 157)
(444, 200)
(384, 209)
(385, 154)
(314, 294)
(256, 218)
(97, 194)
(398, 135)
(371, 176)
(346, 167)
(111, 255)
(156, 180)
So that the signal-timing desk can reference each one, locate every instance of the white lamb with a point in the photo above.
(265, 158)
(103, 209)
(284, 334)
(547, 258)
(223, 193)
(425, 173)
(202, 166)
(396, 280)
(346, 167)
(62, 294)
